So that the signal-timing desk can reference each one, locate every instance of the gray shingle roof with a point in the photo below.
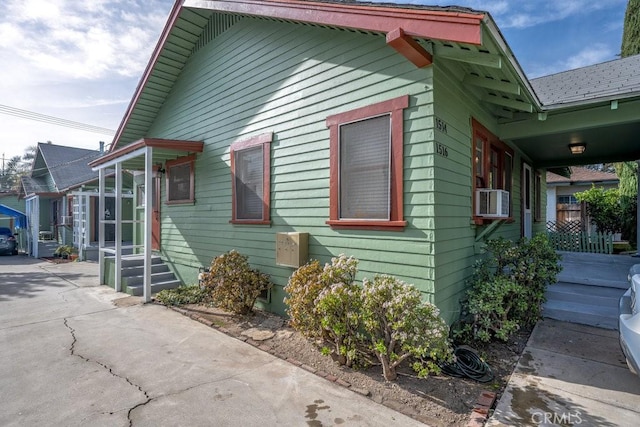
(68, 166)
(608, 80)
(35, 185)
(582, 175)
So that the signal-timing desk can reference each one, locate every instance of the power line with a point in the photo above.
(30, 115)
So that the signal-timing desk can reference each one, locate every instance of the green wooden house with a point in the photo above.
(402, 135)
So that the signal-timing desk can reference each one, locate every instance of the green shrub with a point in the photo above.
(232, 284)
(400, 325)
(385, 319)
(508, 288)
(191, 294)
(338, 308)
(304, 286)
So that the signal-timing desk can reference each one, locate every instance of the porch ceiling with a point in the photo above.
(611, 132)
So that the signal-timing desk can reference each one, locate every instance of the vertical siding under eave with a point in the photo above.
(262, 76)
(455, 245)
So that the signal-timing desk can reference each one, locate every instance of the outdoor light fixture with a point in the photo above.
(578, 148)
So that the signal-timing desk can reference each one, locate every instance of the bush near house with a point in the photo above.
(384, 319)
(190, 294)
(233, 285)
(508, 288)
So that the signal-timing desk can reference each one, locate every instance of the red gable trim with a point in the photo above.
(173, 16)
(167, 144)
(433, 24)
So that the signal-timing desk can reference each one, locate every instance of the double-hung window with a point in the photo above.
(492, 162)
(366, 153)
(180, 180)
(251, 183)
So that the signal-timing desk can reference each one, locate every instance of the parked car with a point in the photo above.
(629, 323)
(8, 243)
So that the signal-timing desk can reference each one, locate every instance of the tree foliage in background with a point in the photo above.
(610, 211)
(631, 32)
(628, 171)
(15, 167)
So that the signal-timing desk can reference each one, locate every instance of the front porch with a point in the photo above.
(138, 273)
(589, 289)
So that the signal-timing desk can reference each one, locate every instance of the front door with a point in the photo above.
(155, 215)
(527, 189)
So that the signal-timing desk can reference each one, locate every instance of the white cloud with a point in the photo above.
(78, 39)
(76, 60)
(524, 14)
(590, 55)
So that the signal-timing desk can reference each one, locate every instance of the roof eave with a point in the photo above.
(590, 102)
(455, 26)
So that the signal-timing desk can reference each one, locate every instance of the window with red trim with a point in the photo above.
(492, 162)
(251, 180)
(180, 180)
(366, 157)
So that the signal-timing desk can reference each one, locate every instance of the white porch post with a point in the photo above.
(35, 231)
(118, 209)
(148, 209)
(101, 206)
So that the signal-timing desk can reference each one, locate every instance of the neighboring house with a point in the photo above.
(61, 201)
(12, 215)
(564, 211)
(402, 135)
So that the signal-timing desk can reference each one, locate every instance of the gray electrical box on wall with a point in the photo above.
(292, 249)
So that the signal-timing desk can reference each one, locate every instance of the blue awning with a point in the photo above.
(21, 218)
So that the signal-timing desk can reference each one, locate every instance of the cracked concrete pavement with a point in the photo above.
(75, 353)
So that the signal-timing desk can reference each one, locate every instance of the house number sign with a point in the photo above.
(442, 150)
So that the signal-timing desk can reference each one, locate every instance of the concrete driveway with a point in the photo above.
(74, 353)
(570, 374)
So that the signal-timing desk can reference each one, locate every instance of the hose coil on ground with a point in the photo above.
(468, 364)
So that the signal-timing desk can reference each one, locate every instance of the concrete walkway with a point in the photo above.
(570, 374)
(575, 373)
(76, 354)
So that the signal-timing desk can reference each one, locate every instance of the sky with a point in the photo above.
(81, 61)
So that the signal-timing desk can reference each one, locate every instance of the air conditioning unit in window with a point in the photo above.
(492, 203)
(66, 220)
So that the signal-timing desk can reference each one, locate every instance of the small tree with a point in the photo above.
(605, 208)
(400, 325)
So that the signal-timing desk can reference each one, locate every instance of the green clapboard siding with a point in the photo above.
(260, 76)
(456, 248)
(251, 76)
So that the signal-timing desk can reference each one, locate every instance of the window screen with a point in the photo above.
(179, 182)
(249, 174)
(364, 169)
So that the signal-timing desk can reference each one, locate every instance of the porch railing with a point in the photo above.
(570, 236)
(599, 243)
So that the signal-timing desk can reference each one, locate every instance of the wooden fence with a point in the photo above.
(599, 243)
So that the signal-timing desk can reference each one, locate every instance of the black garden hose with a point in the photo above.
(467, 364)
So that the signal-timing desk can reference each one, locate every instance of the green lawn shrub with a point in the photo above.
(190, 294)
(508, 288)
(384, 319)
(233, 285)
